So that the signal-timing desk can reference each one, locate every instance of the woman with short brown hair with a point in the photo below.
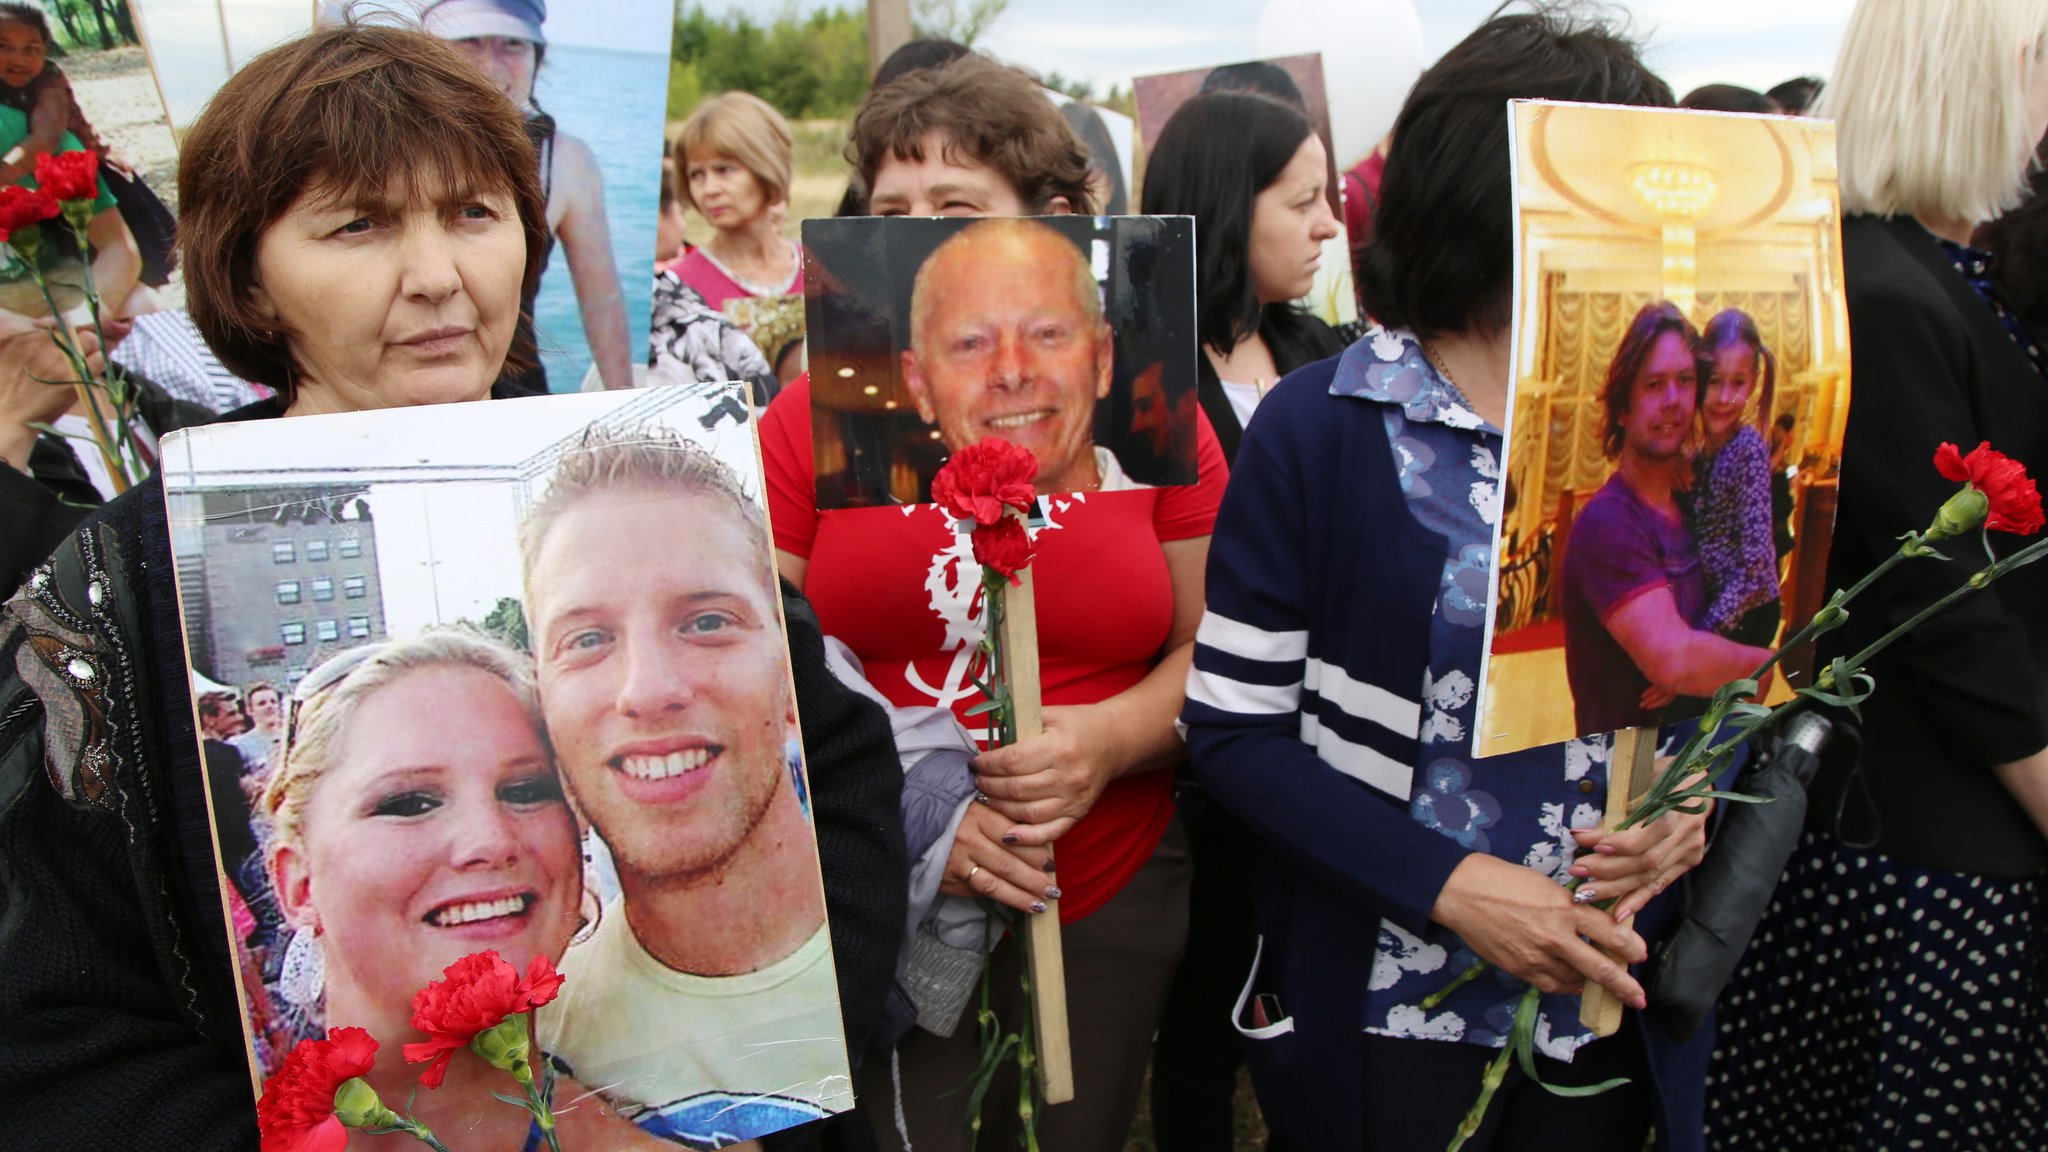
(360, 213)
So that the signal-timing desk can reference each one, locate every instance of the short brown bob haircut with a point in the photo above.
(987, 114)
(346, 114)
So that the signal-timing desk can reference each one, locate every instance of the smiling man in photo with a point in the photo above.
(1007, 339)
(704, 997)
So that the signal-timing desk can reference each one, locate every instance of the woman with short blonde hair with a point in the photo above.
(1891, 998)
(735, 161)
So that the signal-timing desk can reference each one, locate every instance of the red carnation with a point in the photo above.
(980, 479)
(69, 175)
(1004, 546)
(25, 207)
(2015, 501)
(296, 1111)
(476, 993)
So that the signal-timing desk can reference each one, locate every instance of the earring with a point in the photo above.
(302, 977)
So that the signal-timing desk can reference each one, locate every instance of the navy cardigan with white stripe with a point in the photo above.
(1303, 718)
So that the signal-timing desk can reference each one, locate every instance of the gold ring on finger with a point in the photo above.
(970, 874)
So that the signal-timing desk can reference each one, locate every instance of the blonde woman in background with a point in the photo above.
(1893, 997)
(735, 157)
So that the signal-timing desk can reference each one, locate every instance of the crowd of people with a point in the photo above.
(1257, 686)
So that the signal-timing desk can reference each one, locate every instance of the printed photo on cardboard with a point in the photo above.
(72, 77)
(1681, 386)
(1073, 336)
(513, 676)
(589, 76)
(1296, 80)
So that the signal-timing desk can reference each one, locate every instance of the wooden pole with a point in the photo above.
(888, 30)
(1628, 777)
(1048, 968)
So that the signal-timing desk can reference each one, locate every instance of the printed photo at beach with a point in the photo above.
(513, 676)
(590, 78)
(1681, 388)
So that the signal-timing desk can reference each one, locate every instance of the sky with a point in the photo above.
(1757, 43)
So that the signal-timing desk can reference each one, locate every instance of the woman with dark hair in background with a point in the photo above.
(1331, 708)
(1252, 172)
(915, 56)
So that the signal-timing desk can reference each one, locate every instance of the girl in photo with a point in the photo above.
(1729, 506)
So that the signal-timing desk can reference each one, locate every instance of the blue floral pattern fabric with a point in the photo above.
(1518, 807)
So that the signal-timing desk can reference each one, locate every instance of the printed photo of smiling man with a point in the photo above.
(516, 679)
(1041, 331)
(1665, 497)
(704, 996)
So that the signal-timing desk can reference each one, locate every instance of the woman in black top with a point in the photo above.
(1252, 173)
(1893, 995)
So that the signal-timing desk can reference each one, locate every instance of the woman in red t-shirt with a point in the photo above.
(1119, 594)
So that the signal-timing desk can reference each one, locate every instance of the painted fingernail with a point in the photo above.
(1604, 849)
(1586, 894)
(1580, 871)
(1038, 907)
(1050, 866)
(1640, 1003)
(1009, 837)
(1052, 892)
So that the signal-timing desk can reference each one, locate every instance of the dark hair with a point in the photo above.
(1786, 421)
(212, 704)
(343, 110)
(1443, 254)
(987, 114)
(1732, 326)
(2020, 238)
(250, 692)
(1728, 98)
(1797, 95)
(1261, 76)
(1652, 323)
(30, 15)
(1213, 158)
(917, 56)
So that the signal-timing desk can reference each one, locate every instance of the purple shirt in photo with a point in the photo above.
(1620, 548)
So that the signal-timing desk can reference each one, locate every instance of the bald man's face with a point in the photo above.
(1006, 346)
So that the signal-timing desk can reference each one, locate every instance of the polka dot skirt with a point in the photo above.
(1883, 1006)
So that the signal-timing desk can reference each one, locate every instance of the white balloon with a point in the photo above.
(1372, 53)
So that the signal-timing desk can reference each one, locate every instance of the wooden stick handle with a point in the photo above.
(1628, 775)
(1048, 969)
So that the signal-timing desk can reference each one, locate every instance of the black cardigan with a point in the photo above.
(119, 1026)
(1296, 340)
(1969, 689)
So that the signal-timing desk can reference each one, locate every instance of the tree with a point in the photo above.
(507, 621)
(963, 23)
(805, 65)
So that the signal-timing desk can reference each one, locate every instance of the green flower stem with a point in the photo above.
(1977, 582)
(117, 386)
(1489, 1083)
(112, 446)
(412, 1128)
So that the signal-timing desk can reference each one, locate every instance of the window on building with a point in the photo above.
(292, 632)
(323, 588)
(282, 552)
(316, 549)
(327, 630)
(287, 591)
(359, 627)
(354, 587)
(351, 548)
(297, 673)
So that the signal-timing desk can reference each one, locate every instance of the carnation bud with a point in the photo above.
(1963, 511)
(506, 1046)
(356, 1105)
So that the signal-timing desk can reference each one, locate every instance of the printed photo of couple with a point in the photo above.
(513, 676)
(1682, 386)
(1072, 336)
